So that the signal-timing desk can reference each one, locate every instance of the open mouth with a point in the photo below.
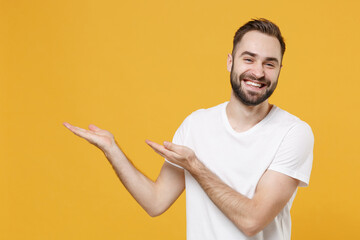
(254, 84)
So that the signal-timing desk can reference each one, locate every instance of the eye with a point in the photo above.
(271, 65)
(249, 60)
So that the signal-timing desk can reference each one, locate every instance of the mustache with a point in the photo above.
(252, 77)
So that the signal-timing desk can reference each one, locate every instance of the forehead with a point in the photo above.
(260, 44)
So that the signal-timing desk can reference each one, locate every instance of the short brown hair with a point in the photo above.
(262, 25)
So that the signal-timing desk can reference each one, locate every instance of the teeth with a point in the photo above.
(253, 84)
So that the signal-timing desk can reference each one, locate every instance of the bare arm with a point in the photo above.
(155, 197)
(250, 215)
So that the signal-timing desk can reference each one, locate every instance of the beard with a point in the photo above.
(251, 98)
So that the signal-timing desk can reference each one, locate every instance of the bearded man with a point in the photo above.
(240, 161)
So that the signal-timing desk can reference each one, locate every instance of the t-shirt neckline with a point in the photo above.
(249, 131)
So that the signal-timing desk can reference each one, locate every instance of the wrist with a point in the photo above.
(196, 167)
(112, 152)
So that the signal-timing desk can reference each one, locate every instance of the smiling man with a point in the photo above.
(241, 161)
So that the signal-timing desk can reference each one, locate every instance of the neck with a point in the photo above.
(243, 117)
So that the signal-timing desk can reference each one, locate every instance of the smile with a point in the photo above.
(254, 84)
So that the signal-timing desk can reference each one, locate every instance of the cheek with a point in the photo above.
(272, 75)
(239, 69)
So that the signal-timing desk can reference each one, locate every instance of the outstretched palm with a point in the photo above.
(99, 137)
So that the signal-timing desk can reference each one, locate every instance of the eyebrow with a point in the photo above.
(255, 55)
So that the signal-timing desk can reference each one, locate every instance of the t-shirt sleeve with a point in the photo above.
(180, 136)
(295, 154)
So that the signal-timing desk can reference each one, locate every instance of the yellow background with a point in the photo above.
(138, 68)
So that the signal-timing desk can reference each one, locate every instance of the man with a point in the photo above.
(241, 161)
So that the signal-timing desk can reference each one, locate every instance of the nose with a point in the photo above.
(258, 70)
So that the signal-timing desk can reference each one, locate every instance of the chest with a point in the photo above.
(238, 161)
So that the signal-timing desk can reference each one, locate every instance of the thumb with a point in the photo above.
(94, 128)
(169, 145)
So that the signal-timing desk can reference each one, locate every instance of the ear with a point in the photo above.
(229, 62)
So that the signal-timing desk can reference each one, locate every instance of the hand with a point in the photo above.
(100, 138)
(180, 155)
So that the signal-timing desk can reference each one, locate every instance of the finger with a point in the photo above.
(172, 146)
(160, 149)
(94, 128)
(161, 154)
(67, 125)
(78, 131)
(70, 127)
(158, 152)
(155, 146)
(82, 133)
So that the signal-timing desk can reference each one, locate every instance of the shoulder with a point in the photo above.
(294, 126)
(295, 153)
(289, 120)
(195, 121)
(207, 113)
(201, 117)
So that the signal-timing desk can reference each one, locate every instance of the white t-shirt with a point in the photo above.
(280, 142)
